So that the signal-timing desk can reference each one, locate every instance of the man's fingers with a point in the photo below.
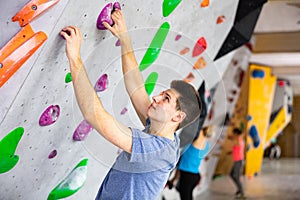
(70, 30)
(64, 34)
(116, 15)
(107, 26)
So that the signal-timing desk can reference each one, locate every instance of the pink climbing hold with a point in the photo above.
(207, 94)
(199, 47)
(49, 116)
(52, 154)
(101, 83)
(105, 15)
(82, 130)
(124, 111)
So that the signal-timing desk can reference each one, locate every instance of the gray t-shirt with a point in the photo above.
(143, 173)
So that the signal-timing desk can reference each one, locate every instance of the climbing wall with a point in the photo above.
(281, 110)
(238, 119)
(235, 79)
(261, 94)
(45, 158)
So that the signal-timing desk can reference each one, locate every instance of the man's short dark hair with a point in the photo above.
(188, 101)
(237, 131)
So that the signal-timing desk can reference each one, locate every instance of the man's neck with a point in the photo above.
(162, 130)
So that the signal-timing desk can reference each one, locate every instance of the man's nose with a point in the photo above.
(156, 98)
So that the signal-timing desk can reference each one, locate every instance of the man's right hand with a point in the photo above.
(119, 28)
(73, 38)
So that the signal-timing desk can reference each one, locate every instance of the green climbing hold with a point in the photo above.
(72, 183)
(169, 6)
(242, 126)
(7, 162)
(68, 77)
(150, 82)
(9, 143)
(8, 146)
(155, 46)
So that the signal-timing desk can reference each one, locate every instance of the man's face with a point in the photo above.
(163, 107)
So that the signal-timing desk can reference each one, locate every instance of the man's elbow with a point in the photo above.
(89, 117)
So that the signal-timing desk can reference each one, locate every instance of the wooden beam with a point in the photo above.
(277, 42)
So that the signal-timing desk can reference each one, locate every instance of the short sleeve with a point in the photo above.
(155, 151)
(204, 152)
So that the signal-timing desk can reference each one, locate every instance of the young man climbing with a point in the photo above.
(142, 169)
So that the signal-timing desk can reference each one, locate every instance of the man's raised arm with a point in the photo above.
(87, 99)
(134, 82)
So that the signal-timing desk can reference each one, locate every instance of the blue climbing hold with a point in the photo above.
(254, 136)
(249, 117)
(257, 73)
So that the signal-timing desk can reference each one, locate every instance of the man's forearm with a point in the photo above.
(128, 58)
(94, 112)
(132, 76)
(86, 96)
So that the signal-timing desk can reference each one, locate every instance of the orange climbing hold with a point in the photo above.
(200, 63)
(32, 10)
(18, 50)
(204, 3)
(184, 51)
(190, 78)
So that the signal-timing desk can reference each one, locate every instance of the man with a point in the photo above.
(238, 147)
(142, 169)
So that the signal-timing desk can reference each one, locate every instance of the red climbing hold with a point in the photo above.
(199, 47)
(220, 19)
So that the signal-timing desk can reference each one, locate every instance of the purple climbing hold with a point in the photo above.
(50, 115)
(177, 37)
(118, 43)
(124, 111)
(82, 130)
(116, 6)
(105, 15)
(52, 154)
(101, 83)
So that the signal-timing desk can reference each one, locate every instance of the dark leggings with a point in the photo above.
(187, 182)
(235, 175)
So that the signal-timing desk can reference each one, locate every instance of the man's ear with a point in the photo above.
(179, 117)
